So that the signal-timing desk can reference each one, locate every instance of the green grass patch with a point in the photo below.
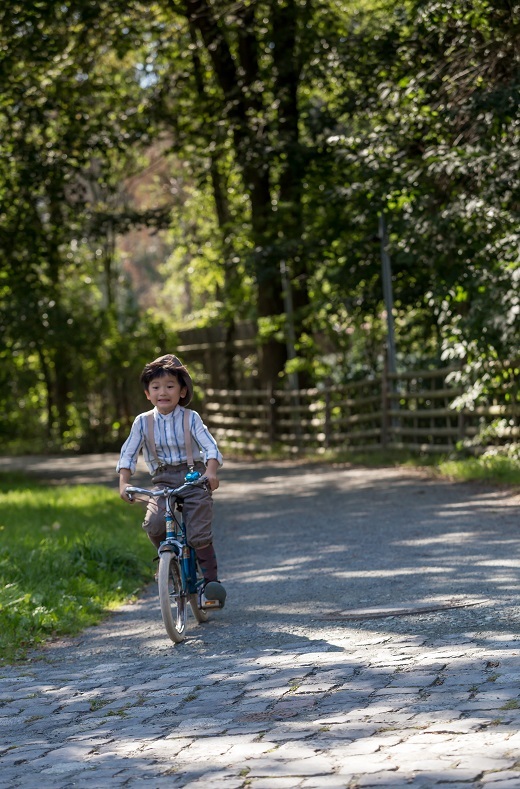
(67, 556)
(494, 468)
(514, 704)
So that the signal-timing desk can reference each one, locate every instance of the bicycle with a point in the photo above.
(178, 577)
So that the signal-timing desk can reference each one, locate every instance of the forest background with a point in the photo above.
(189, 163)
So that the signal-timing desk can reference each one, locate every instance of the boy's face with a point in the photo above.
(165, 392)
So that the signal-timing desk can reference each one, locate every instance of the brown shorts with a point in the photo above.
(197, 510)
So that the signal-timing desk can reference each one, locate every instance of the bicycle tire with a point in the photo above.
(172, 597)
(195, 571)
(199, 613)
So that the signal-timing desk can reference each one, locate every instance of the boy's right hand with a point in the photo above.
(124, 495)
(124, 481)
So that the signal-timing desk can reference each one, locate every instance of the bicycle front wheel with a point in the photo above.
(172, 596)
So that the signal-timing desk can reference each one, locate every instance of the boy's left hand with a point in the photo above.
(211, 473)
(213, 480)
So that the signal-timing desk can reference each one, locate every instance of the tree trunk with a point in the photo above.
(267, 158)
(243, 102)
(287, 79)
(224, 220)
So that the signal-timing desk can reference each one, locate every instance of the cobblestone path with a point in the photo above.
(371, 639)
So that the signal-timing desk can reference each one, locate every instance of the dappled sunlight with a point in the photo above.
(272, 576)
(392, 573)
(440, 539)
(498, 563)
(359, 702)
(400, 541)
(363, 635)
(249, 537)
(334, 548)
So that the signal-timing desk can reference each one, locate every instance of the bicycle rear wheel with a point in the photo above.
(199, 614)
(196, 579)
(172, 596)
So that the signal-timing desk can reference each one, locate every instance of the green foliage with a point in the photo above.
(71, 116)
(204, 277)
(284, 129)
(493, 468)
(424, 127)
(67, 555)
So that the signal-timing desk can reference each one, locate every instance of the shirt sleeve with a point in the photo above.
(204, 439)
(132, 446)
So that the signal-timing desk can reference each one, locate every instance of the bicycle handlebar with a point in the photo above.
(166, 491)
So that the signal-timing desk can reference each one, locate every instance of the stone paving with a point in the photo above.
(305, 679)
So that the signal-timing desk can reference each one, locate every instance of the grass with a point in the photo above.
(494, 468)
(513, 704)
(497, 468)
(67, 556)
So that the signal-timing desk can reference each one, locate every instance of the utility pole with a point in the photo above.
(290, 337)
(290, 334)
(388, 387)
(388, 295)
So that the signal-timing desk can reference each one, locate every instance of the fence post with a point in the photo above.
(384, 405)
(272, 415)
(326, 426)
(461, 425)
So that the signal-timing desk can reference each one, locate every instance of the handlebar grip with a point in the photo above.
(130, 490)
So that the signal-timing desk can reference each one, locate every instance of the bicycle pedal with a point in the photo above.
(213, 595)
(210, 604)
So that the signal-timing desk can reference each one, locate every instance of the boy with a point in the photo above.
(169, 387)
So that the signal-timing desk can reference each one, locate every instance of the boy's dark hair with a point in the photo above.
(168, 365)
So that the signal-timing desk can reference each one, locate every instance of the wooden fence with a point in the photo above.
(407, 411)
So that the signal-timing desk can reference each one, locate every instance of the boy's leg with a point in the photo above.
(154, 523)
(198, 512)
(208, 562)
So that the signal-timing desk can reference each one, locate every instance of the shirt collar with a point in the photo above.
(169, 416)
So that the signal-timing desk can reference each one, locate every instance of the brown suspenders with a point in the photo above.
(150, 438)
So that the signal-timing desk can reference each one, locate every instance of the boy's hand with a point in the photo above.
(213, 480)
(124, 495)
(124, 481)
(211, 473)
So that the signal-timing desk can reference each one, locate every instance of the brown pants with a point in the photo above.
(197, 508)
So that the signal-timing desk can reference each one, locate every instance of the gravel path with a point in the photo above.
(370, 638)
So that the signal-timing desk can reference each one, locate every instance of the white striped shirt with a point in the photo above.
(169, 441)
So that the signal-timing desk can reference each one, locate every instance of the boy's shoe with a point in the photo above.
(212, 595)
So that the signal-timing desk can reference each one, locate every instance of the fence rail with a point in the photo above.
(411, 411)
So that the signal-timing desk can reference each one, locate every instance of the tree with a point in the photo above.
(425, 129)
(230, 84)
(70, 113)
